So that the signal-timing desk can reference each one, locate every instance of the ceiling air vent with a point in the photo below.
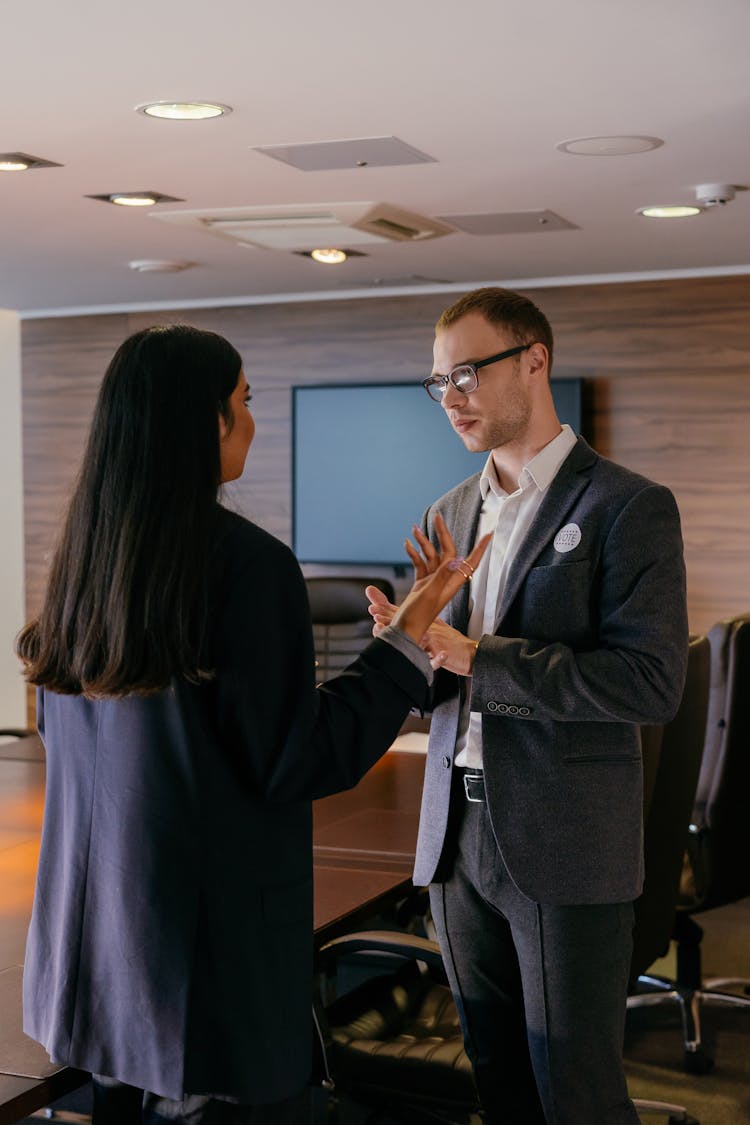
(397, 231)
(298, 228)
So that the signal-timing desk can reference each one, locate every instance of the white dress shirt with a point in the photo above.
(509, 517)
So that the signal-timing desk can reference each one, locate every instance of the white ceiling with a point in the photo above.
(485, 88)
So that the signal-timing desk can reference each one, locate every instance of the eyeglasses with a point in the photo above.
(464, 377)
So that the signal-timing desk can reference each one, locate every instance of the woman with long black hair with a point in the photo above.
(170, 945)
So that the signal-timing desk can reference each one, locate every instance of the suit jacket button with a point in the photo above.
(446, 761)
(503, 708)
(523, 711)
(492, 706)
(512, 710)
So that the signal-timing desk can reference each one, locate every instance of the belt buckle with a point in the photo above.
(468, 777)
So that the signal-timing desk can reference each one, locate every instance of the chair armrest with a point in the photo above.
(383, 941)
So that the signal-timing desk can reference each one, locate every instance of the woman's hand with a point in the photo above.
(438, 576)
(380, 609)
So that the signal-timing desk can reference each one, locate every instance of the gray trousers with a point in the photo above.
(541, 990)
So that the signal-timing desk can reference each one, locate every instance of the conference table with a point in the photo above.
(363, 848)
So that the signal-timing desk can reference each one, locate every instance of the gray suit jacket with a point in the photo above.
(589, 643)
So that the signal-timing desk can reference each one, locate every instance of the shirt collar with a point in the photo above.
(540, 470)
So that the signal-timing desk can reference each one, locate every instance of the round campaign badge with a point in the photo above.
(567, 538)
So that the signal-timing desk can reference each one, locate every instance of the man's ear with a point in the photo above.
(537, 358)
(223, 429)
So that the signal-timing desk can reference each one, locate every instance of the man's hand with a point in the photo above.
(455, 650)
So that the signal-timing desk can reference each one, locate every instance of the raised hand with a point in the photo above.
(380, 609)
(439, 574)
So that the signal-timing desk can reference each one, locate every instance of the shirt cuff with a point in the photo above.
(408, 648)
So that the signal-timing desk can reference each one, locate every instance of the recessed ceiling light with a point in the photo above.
(135, 198)
(184, 111)
(131, 199)
(669, 211)
(21, 162)
(159, 265)
(608, 146)
(329, 256)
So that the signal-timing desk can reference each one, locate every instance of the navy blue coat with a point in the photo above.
(171, 939)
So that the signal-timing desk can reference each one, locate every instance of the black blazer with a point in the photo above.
(171, 939)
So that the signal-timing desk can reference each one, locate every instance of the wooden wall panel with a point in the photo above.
(668, 365)
(63, 364)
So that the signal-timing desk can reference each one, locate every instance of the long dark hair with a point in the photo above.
(125, 608)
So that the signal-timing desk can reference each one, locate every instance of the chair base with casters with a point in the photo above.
(676, 1114)
(690, 992)
(394, 1043)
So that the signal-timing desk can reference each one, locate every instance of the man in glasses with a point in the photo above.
(571, 633)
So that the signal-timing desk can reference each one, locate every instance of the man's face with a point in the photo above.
(498, 411)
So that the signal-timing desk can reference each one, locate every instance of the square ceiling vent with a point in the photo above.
(362, 152)
(509, 222)
(303, 228)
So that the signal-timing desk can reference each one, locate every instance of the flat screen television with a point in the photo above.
(368, 458)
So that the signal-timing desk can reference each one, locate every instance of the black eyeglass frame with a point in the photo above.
(442, 381)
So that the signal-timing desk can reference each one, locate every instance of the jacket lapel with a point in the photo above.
(563, 492)
(462, 517)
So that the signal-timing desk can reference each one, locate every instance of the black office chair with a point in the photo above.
(341, 624)
(672, 757)
(717, 862)
(394, 1042)
(716, 869)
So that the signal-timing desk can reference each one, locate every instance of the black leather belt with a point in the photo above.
(474, 785)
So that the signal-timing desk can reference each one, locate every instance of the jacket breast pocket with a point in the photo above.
(555, 603)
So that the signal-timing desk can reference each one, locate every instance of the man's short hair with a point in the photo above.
(526, 323)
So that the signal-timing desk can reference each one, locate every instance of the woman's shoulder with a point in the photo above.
(242, 544)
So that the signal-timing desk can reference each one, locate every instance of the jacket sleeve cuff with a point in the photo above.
(410, 649)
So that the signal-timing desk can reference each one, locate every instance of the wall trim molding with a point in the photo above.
(370, 293)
